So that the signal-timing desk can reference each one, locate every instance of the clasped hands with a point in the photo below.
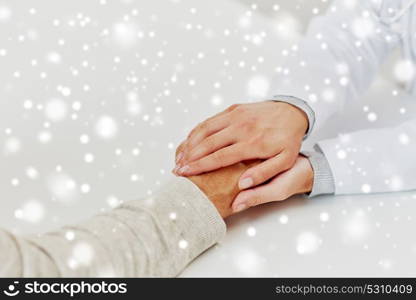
(269, 132)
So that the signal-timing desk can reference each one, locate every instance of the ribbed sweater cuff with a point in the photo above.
(323, 182)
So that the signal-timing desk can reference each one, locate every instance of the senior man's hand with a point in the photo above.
(266, 130)
(221, 186)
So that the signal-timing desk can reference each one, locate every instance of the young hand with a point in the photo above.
(297, 180)
(265, 130)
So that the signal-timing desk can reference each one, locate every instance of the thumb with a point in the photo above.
(255, 196)
(264, 171)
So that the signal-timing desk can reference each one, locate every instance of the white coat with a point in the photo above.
(336, 63)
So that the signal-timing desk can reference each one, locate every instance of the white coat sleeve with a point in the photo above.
(373, 160)
(339, 56)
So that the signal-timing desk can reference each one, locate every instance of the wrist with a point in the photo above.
(301, 105)
(309, 178)
(218, 200)
(296, 115)
(221, 186)
(301, 118)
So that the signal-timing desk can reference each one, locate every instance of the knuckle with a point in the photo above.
(219, 158)
(243, 151)
(196, 128)
(246, 126)
(208, 144)
(256, 199)
(203, 126)
(279, 197)
(180, 148)
(292, 147)
(282, 141)
(256, 171)
(241, 108)
(263, 147)
(263, 175)
(283, 194)
(232, 107)
(255, 143)
(290, 153)
(286, 164)
(193, 153)
(290, 159)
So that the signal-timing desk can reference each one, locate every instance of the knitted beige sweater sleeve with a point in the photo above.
(155, 236)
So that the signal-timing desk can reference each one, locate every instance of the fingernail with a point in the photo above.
(178, 157)
(175, 169)
(183, 169)
(245, 183)
(240, 207)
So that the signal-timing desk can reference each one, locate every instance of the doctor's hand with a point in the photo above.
(266, 130)
(297, 180)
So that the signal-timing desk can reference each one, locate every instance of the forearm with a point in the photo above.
(156, 236)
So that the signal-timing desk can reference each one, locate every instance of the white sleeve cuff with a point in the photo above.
(323, 180)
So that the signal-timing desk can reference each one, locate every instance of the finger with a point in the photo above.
(179, 154)
(229, 109)
(205, 129)
(221, 158)
(275, 190)
(179, 151)
(210, 144)
(264, 171)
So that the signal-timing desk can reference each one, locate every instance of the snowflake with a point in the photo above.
(12, 145)
(251, 231)
(324, 216)
(32, 211)
(106, 127)
(82, 255)
(284, 219)
(307, 243)
(5, 14)
(56, 110)
(404, 139)
(89, 158)
(54, 57)
(62, 186)
(85, 188)
(248, 262)
(404, 70)
(113, 201)
(32, 173)
(125, 34)
(258, 86)
(183, 244)
(357, 228)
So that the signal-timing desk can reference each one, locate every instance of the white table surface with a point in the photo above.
(323, 236)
